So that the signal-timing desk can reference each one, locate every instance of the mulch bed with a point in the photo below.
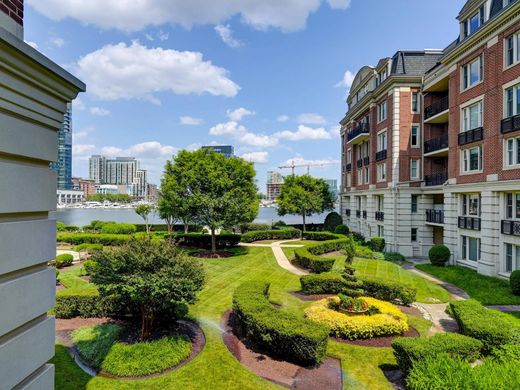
(290, 375)
(378, 341)
(211, 255)
(59, 287)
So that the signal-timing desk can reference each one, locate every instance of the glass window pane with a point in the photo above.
(474, 72)
(509, 205)
(509, 103)
(474, 119)
(509, 257)
(510, 151)
(474, 159)
(517, 205)
(473, 249)
(517, 258)
(464, 247)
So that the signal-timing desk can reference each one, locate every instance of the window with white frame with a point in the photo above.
(359, 176)
(366, 146)
(512, 52)
(413, 234)
(415, 136)
(349, 156)
(470, 248)
(349, 180)
(512, 101)
(382, 111)
(512, 152)
(472, 116)
(415, 102)
(366, 175)
(512, 257)
(380, 202)
(470, 204)
(415, 169)
(471, 159)
(474, 22)
(415, 203)
(512, 205)
(380, 231)
(381, 172)
(381, 76)
(382, 141)
(472, 73)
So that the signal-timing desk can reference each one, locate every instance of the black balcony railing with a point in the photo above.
(359, 163)
(470, 223)
(471, 136)
(435, 216)
(381, 155)
(358, 213)
(435, 144)
(347, 212)
(510, 124)
(436, 108)
(511, 228)
(364, 214)
(366, 160)
(380, 216)
(349, 167)
(362, 128)
(437, 179)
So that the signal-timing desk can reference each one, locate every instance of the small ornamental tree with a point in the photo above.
(151, 279)
(332, 220)
(439, 255)
(144, 211)
(304, 195)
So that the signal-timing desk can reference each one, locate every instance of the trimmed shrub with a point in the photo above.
(394, 257)
(408, 350)
(261, 235)
(252, 227)
(388, 291)
(507, 353)
(325, 283)
(89, 266)
(332, 220)
(358, 237)
(63, 260)
(439, 255)
(88, 247)
(491, 327)
(198, 240)
(278, 332)
(60, 226)
(342, 229)
(514, 281)
(279, 225)
(366, 253)
(320, 236)
(84, 304)
(118, 228)
(88, 238)
(309, 257)
(377, 244)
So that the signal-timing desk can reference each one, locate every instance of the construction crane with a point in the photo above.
(308, 165)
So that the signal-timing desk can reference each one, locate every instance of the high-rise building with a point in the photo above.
(140, 185)
(63, 166)
(152, 193)
(97, 166)
(226, 150)
(274, 185)
(118, 171)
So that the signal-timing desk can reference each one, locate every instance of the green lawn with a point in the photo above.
(215, 367)
(485, 289)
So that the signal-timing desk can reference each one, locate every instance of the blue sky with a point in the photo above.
(266, 76)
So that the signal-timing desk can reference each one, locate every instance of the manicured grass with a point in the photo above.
(94, 342)
(485, 289)
(71, 280)
(68, 375)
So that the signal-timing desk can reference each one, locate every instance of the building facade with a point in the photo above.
(86, 185)
(467, 192)
(65, 197)
(35, 93)
(140, 185)
(226, 150)
(273, 185)
(96, 168)
(63, 166)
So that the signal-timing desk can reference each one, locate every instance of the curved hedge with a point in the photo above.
(261, 235)
(279, 332)
(309, 256)
(325, 283)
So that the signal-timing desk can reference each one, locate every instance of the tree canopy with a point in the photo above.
(144, 210)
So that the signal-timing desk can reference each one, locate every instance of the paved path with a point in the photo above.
(73, 253)
(279, 255)
(505, 308)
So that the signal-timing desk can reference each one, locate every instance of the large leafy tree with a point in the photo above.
(154, 280)
(212, 189)
(304, 195)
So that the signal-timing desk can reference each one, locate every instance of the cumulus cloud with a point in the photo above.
(256, 157)
(190, 121)
(83, 149)
(288, 15)
(98, 111)
(240, 133)
(78, 104)
(238, 114)
(226, 34)
(137, 72)
(282, 118)
(57, 42)
(304, 133)
(312, 119)
(348, 79)
(150, 150)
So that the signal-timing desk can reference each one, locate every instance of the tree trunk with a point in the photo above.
(213, 241)
(147, 318)
(169, 225)
(186, 228)
(303, 215)
(147, 227)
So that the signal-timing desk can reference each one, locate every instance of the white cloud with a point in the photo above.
(238, 114)
(138, 72)
(302, 161)
(226, 34)
(149, 37)
(57, 42)
(348, 78)
(163, 36)
(240, 133)
(83, 149)
(81, 134)
(98, 111)
(335, 131)
(304, 133)
(78, 104)
(34, 45)
(288, 15)
(282, 118)
(256, 157)
(145, 150)
(312, 119)
(190, 121)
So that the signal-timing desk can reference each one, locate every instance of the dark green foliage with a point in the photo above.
(63, 260)
(61, 227)
(514, 281)
(352, 284)
(89, 266)
(439, 255)
(118, 228)
(88, 247)
(103, 239)
(261, 235)
(250, 227)
(493, 328)
(325, 283)
(377, 244)
(309, 257)
(279, 225)
(332, 220)
(117, 198)
(365, 252)
(85, 304)
(276, 331)
(395, 257)
(408, 350)
(388, 291)
(95, 226)
(199, 240)
(358, 238)
(507, 353)
(320, 236)
(342, 229)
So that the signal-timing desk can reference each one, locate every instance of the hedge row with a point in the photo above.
(87, 238)
(280, 333)
(325, 283)
(260, 235)
(84, 304)
(321, 236)
(491, 327)
(309, 256)
(199, 240)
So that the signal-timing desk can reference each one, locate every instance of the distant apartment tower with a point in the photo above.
(226, 150)
(97, 165)
(118, 171)
(139, 185)
(152, 193)
(274, 185)
(63, 166)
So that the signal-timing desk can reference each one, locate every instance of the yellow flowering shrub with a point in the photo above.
(389, 320)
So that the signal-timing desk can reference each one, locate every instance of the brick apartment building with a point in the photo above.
(431, 145)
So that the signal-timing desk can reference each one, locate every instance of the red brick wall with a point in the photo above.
(13, 8)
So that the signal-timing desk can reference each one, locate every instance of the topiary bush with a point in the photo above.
(85, 304)
(365, 252)
(325, 283)
(261, 235)
(320, 236)
(276, 331)
(514, 281)
(88, 248)
(377, 244)
(439, 255)
(388, 291)
(342, 229)
(358, 238)
(89, 267)
(63, 260)
(408, 350)
(332, 220)
(279, 225)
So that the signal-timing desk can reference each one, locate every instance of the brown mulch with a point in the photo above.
(211, 255)
(411, 310)
(378, 341)
(85, 277)
(59, 287)
(307, 298)
(290, 375)
(64, 327)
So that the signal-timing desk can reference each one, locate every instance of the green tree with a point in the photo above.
(211, 189)
(304, 195)
(154, 279)
(144, 210)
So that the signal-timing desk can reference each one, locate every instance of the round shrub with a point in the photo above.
(279, 225)
(439, 255)
(63, 260)
(514, 280)
(377, 244)
(342, 229)
(332, 220)
(225, 232)
(88, 247)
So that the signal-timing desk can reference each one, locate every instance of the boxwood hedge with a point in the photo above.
(260, 235)
(389, 291)
(199, 240)
(87, 238)
(309, 256)
(276, 331)
(325, 283)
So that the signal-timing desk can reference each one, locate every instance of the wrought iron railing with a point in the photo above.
(471, 223)
(470, 136)
(510, 124)
(435, 216)
(436, 108)
(362, 128)
(436, 179)
(380, 216)
(435, 144)
(511, 228)
(381, 155)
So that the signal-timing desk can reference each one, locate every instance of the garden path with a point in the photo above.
(281, 259)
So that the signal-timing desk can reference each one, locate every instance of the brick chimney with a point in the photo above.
(11, 16)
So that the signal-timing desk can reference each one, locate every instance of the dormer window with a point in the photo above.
(381, 76)
(474, 22)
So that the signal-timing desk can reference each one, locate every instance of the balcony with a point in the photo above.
(435, 217)
(511, 228)
(438, 112)
(359, 163)
(380, 216)
(510, 124)
(470, 223)
(436, 147)
(347, 212)
(349, 167)
(364, 214)
(366, 161)
(470, 136)
(436, 179)
(360, 133)
(381, 155)
(358, 213)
